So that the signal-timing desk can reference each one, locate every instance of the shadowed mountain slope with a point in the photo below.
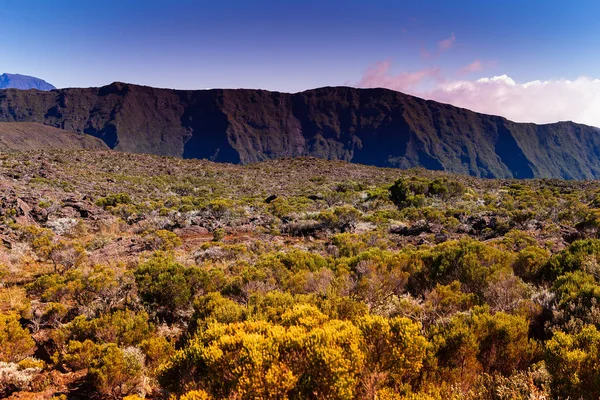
(370, 126)
(31, 136)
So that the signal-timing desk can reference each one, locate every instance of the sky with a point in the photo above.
(527, 60)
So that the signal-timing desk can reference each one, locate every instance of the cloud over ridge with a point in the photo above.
(539, 101)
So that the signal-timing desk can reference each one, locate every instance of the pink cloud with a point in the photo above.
(426, 55)
(378, 76)
(475, 66)
(446, 44)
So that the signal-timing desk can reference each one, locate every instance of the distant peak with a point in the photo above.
(23, 82)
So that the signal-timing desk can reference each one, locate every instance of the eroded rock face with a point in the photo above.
(369, 126)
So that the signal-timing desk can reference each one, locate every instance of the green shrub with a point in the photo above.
(117, 372)
(125, 328)
(400, 193)
(215, 308)
(162, 240)
(572, 360)
(482, 342)
(167, 287)
(219, 234)
(580, 255)
(113, 200)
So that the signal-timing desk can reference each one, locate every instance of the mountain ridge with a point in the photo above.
(370, 126)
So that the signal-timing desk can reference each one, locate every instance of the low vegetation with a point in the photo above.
(130, 276)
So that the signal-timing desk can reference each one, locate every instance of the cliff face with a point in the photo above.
(370, 126)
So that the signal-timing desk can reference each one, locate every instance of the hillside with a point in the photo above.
(31, 136)
(137, 276)
(23, 82)
(370, 126)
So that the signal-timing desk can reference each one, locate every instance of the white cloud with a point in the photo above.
(505, 79)
(539, 101)
(535, 101)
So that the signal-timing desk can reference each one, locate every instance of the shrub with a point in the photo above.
(395, 350)
(215, 308)
(162, 240)
(113, 372)
(125, 328)
(219, 234)
(156, 350)
(529, 263)
(578, 296)
(341, 219)
(523, 385)
(580, 255)
(219, 208)
(482, 342)
(166, 287)
(400, 193)
(348, 244)
(41, 240)
(78, 355)
(467, 261)
(573, 360)
(442, 302)
(117, 373)
(306, 356)
(15, 341)
(406, 193)
(378, 275)
(281, 208)
(113, 200)
(445, 188)
(505, 292)
(195, 395)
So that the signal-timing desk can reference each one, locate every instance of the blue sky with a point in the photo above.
(295, 45)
